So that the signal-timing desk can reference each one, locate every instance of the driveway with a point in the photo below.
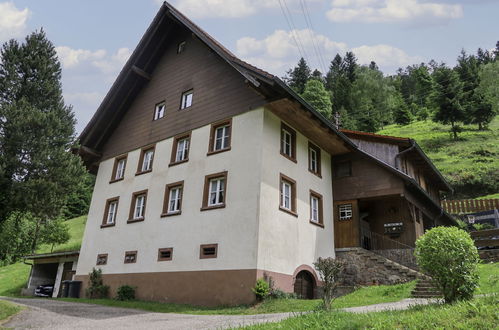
(56, 314)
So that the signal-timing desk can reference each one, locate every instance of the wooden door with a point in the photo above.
(304, 285)
(346, 231)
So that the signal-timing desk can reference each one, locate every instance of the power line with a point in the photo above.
(295, 32)
(290, 28)
(308, 21)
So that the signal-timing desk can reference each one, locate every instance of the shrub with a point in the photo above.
(96, 288)
(125, 292)
(450, 257)
(279, 294)
(329, 270)
(261, 289)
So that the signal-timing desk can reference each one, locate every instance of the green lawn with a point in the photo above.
(76, 229)
(480, 313)
(13, 278)
(7, 309)
(491, 196)
(489, 278)
(469, 164)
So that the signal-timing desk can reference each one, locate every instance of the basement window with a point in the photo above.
(208, 251)
(130, 257)
(165, 254)
(345, 211)
(101, 259)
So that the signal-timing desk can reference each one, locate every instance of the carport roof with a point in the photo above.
(54, 254)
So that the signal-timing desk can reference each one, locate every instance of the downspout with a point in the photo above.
(397, 156)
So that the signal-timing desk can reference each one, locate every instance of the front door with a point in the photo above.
(304, 285)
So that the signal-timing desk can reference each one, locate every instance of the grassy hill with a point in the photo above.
(76, 228)
(470, 164)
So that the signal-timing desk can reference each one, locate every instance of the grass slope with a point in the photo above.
(469, 164)
(489, 278)
(76, 228)
(7, 309)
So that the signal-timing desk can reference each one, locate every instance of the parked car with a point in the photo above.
(44, 290)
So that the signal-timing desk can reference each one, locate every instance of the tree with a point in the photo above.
(317, 75)
(16, 237)
(316, 94)
(37, 169)
(78, 201)
(402, 115)
(298, 77)
(329, 270)
(447, 96)
(489, 89)
(54, 232)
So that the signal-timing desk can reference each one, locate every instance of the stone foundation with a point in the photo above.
(402, 256)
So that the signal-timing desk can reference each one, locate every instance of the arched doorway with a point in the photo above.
(304, 285)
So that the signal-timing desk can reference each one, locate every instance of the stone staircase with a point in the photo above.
(426, 289)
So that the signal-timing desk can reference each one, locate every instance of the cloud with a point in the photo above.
(12, 21)
(278, 51)
(115, 62)
(73, 58)
(387, 11)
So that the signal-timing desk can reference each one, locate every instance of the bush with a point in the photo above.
(449, 256)
(329, 270)
(261, 289)
(279, 294)
(125, 292)
(96, 288)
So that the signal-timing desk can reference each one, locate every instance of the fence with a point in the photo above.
(463, 206)
(486, 238)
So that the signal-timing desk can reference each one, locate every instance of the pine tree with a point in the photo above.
(350, 63)
(37, 169)
(489, 90)
(317, 75)
(317, 96)
(298, 77)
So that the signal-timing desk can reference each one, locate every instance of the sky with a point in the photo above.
(93, 39)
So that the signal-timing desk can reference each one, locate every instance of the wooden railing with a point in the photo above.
(463, 206)
(485, 238)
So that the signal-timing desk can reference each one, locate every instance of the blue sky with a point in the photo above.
(94, 38)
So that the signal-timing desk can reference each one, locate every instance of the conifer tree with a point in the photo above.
(298, 77)
(316, 95)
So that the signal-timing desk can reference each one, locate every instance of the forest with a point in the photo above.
(361, 97)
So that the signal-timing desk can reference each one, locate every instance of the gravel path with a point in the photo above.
(56, 314)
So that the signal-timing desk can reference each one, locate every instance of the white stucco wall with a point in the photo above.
(234, 227)
(285, 241)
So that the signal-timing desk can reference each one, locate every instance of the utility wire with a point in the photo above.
(308, 21)
(290, 28)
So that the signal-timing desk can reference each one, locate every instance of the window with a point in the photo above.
(165, 254)
(101, 259)
(316, 211)
(173, 199)
(287, 195)
(314, 159)
(186, 99)
(159, 110)
(215, 189)
(180, 149)
(180, 47)
(130, 257)
(145, 160)
(208, 251)
(343, 169)
(345, 211)
(138, 206)
(118, 169)
(220, 137)
(110, 212)
(288, 142)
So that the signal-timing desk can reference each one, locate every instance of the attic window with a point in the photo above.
(180, 47)
(186, 101)
(159, 110)
(208, 251)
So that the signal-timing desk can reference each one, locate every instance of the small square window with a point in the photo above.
(110, 212)
(118, 169)
(215, 189)
(180, 149)
(138, 206)
(146, 160)
(220, 137)
(130, 257)
(165, 254)
(159, 110)
(208, 251)
(172, 204)
(345, 211)
(101, 259)
(186, 101)
(180, 47)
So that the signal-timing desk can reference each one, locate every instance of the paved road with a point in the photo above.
(55, 314)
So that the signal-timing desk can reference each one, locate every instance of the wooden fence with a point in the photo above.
(463, 206)
(483, 238)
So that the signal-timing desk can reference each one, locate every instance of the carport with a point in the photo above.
(51, 268)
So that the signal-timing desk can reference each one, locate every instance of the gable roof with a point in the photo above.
(137, 71)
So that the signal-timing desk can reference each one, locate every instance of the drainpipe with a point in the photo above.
(397, 156)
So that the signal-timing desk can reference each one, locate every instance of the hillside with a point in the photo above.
(470, 164)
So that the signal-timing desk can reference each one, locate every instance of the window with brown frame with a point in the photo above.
(186, 99)
(118, 169)
(215, 191)
(138, 206)
(172, 204)
(288, 142)
(343, 169)
(220, 137)
(145, 160)
(207, 251)
(316, 209)
(287, 195)
(180, 149)
(110, 212)
(314, 159)
(101, 259)
(165, 254)
(130, 257)
(159, 110)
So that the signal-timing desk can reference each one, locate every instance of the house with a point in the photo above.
(212, 173)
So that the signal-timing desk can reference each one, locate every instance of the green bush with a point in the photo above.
(279, 294)
(449, 256)
(261, 289)
(125, 292)
(96, 288)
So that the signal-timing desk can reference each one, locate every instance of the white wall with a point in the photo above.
(285, 241)
(234, 228)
